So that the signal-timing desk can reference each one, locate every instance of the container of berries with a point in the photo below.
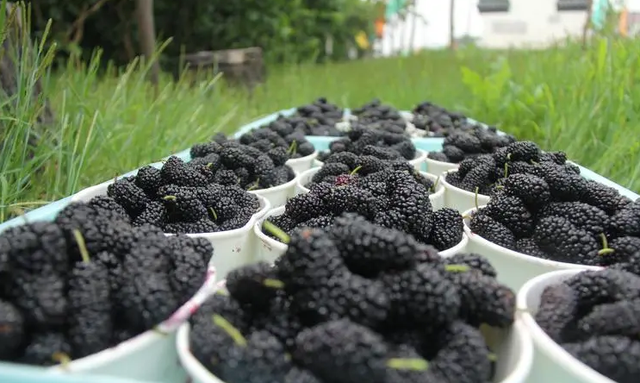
(554, 220)
(477, 178)
(358, 303)
(179, 198)
(391, 194)
(308, 178)
(467, 141)
(258, 166)
(361, 140)
(584, 324)
(91, 292)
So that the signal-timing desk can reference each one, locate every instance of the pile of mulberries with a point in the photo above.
(189, 197)
(278, 134)
(376, 111)
(354, 303)
(595, 316)
(436, 120)
(485, 173)
(555, 214)
(470, 141)
(396, 197)
(306, 126)
(376, 142)
(90, 280)
(320, 109)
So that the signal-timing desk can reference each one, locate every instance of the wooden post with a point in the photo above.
(147, 31)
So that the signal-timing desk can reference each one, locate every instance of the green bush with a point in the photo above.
(287, 30)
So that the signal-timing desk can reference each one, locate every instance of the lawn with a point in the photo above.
(582, 102)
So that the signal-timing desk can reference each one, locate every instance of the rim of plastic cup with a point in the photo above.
(542, 340)
(521, 256)
(196, 371)
(277, 188)
(296, 161)
(522, 367)
(452, 165)
(257, 229)
(148, 338)
(466, 193)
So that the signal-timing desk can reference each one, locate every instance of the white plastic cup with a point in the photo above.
(303, 163)
(460, 199)
(268, 249)
(150, 356)
(513, 347)
(551, 363)
(439, 167)
(417, 162)
(278, 195)
(437, 199)
(232, 248)
(514, 268)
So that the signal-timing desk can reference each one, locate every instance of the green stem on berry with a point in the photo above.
(214, 214)
(233, 332)
(413, 364)
(493, 357)
(82, 246)
(209, 165)
(534, 162)
(292, 148)
(508, 156)
(255, 185)
(475, 198)
(62, 358)
(169, 198)
(457, 268)
(354, 171)
(273, 283)
(605, 246)
(276, 232)
(435, 184)
(506, 169)
(223, 292)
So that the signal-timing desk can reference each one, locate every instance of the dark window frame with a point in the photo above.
(494, 6)
(572, 5)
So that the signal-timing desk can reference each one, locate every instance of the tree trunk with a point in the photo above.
(148, 35)
(452, 29)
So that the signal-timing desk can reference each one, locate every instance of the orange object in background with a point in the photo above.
(379, 27)
(623, 23)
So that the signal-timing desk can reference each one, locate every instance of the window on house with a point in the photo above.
(573, 5)
(492, 6)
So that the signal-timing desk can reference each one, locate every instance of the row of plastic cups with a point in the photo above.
(303, 163)
(513, 348)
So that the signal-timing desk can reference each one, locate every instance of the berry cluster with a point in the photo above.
(376, 142)
(321, 126)
(354, 303)
(436, 120)
(396, 196)
(556, 214)
(186, 197)
(484, 173)
(375, 111)
(470, 141)
(595, 316)
(320, 109)
(251, 168)
(90, 280)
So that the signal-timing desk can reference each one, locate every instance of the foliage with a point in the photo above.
(287, 30)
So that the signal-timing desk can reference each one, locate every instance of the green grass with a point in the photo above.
(582, 102)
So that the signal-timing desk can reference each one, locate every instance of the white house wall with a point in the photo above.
(530, 23)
